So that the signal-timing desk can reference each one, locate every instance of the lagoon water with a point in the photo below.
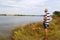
(7, 22)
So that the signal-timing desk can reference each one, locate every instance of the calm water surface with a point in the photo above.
(7, 22)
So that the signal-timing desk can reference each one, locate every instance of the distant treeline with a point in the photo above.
(17, 15)
(57, 13)
(2, 14)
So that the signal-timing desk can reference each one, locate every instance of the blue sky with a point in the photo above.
(28, 7)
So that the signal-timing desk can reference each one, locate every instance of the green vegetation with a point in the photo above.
(27, 32)
(57, 13)
(2, 37)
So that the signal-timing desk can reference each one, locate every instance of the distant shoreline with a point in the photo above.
(18, 15)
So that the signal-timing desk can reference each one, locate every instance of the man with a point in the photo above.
(47, 19)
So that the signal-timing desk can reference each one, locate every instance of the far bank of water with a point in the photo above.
(8, 22)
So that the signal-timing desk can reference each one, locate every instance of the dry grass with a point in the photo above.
(31, 31)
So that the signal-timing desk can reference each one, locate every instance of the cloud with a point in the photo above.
(18, 3)
(28, 6)
(54, 5)
(21, 6)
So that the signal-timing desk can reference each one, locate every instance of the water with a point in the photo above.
(7, 22)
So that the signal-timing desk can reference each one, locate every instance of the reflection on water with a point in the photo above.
(6, 22)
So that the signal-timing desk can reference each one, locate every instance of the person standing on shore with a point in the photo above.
(47, 19)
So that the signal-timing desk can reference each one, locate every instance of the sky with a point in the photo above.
(28, 7)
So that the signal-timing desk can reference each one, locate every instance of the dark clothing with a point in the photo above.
(45, 25)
